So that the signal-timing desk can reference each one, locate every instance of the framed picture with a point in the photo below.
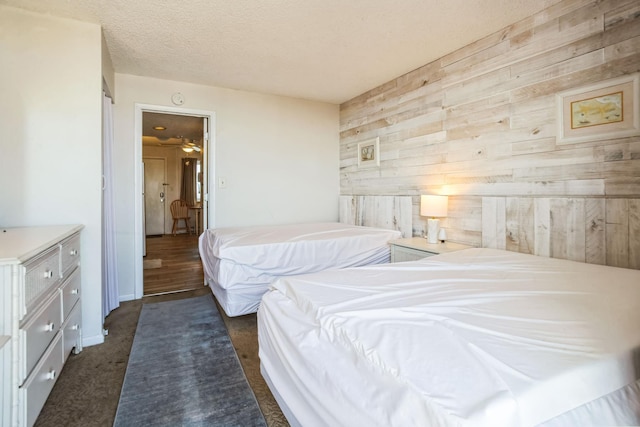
(369, 153)
(605, 110)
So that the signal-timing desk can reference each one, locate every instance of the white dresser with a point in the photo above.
(40, 315)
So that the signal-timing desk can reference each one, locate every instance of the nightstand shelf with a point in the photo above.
(414, 248)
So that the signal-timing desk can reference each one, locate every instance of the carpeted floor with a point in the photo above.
(88, 389)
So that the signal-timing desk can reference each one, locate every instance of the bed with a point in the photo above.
(479, 337)
(240, 262)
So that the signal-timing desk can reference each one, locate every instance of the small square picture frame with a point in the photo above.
(369, 153)
(601, 111)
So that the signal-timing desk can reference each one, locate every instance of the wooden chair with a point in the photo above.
(180, 211)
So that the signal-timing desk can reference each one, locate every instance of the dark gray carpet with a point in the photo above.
(183, 370)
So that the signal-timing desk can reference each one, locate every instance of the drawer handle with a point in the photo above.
(48, 274)
(49, 327)
(73, 252)
(75, 291)
(51, 375)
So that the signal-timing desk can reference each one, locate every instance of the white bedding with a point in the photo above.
(479, 337)
(240, 262)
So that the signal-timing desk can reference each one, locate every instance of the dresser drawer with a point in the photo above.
(39, 384)
(41, 274)
(39, 331)
(5, 384)
(69, 254)
(72, 331)
(70, 291)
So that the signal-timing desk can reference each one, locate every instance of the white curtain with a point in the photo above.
(110, 295)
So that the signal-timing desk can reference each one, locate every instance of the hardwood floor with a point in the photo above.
(172, 264)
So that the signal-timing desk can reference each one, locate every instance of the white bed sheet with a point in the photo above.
(240, 262)
(476, 337)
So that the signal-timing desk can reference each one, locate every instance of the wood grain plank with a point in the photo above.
(527, 225)
(567, 229)
(542, 226)
(489, 215)
(622, 13)
(634, 233)
(623, 186)
(589, 187)
(595, 243)
(559, 224)
(512, 224)
(494, 222)
(617, 232)
(348, 209)
(576, 244)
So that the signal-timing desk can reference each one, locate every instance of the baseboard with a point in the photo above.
(93, 340)
(128, 297)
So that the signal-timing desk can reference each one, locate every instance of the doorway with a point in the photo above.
(171, 138)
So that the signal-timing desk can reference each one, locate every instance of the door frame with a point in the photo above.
(208, 168)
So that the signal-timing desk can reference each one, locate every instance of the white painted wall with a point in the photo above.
(50, 136)
(279, 156)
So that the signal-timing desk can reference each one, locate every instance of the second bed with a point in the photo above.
(240, 262)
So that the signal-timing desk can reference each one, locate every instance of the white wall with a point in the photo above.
(50, 136)
(278, 155)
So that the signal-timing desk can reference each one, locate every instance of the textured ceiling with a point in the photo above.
(178, 129)
(326, 50)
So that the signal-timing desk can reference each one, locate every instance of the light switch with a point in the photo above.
(222, 182)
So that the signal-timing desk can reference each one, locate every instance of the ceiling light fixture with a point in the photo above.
(160, 128)
(187, 149)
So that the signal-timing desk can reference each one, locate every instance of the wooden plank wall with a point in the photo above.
(479, 124)
(597, 231)
(389, 212)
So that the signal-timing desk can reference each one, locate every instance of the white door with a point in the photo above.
(154, 196)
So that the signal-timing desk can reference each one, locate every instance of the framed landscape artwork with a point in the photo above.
(605, 110)
(369, 153)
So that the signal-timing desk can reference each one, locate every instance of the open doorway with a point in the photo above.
(174, 149)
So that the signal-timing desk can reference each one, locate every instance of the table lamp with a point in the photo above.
(433, 207)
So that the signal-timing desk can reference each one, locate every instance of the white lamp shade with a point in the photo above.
(434, 206)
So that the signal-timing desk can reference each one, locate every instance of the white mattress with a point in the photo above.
(240, 262)
(479, 337)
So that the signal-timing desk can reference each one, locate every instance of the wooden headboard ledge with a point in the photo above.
(390, 212)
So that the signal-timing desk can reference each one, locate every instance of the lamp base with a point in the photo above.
(432, 230)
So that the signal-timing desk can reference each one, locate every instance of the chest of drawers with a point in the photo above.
(40, 322)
